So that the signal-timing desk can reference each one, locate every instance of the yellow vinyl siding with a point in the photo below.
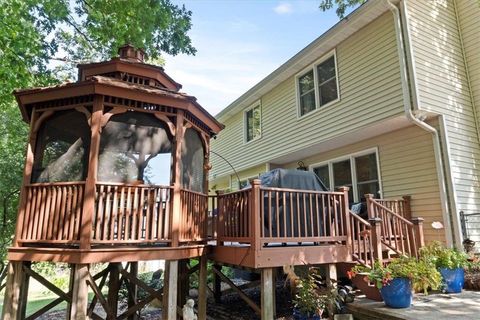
(443, 84)
(370, 91)
(407, 167)
(469, 24)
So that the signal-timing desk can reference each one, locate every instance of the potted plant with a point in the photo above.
(450, 262)
(308, 303)
(397, 279)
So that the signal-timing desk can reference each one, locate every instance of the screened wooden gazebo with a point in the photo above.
(116, 171)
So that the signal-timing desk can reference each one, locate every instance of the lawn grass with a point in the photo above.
(37, 301)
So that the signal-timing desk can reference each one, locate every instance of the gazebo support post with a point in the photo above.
(16, 286)
(169, 311)
(202, 288)
(79, 304)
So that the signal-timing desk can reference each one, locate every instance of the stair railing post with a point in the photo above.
(418, 227)
(370, 209)
(406, 207)
(376, 234)
(346, 208)
(220, 217)
(255, 202)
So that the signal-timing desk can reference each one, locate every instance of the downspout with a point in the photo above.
(412, 93)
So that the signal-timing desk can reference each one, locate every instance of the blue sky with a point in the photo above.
(240, 42)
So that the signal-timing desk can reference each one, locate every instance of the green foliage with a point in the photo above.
(422, 273)
(308, 298)
(57, 273)
(340, 5)
(36, 33)
(227, 271)
(443, 257)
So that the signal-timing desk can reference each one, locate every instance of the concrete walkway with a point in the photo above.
(461, 306)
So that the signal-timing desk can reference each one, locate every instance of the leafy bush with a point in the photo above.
(443, 257)
(422, 273)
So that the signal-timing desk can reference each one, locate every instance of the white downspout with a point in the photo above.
(407, 92)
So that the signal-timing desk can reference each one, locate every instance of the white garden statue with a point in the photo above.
(188, 312)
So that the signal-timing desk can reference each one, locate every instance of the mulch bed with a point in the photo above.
(231, 307)
(472, 280)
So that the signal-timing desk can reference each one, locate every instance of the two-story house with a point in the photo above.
(385, 102)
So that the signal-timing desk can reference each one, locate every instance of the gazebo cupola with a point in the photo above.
(115, 161)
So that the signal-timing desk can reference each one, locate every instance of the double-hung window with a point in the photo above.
(253, 123)
(358, 171)
(318, 85)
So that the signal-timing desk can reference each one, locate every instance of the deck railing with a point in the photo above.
(289, 215)
(262, 216)
(399, 206)
(363, 250)
(194, 216)
(233, 222)
(131, 214)
(393, 230)
(52, 213)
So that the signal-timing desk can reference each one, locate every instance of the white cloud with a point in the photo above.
(283, 8)
(222, 70)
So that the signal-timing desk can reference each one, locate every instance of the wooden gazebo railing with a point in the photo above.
(124, 214)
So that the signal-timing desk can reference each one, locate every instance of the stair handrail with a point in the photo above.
(403, 244)
(363, 255)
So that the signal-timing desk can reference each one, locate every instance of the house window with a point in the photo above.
(318, 86)
(253, 122)
(358, 171)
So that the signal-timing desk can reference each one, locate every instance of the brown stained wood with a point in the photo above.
(277, 212)
(128, 233)
(44, 309)
(147, 218)
(49, 214)
(41, 215)
(110, 227)
(115, 207)
(65, 296)
(100, 297)
(73, 213)
(27, 175)
(242, 295)
(137, 217)
(202, 288)
(90, 184)
(99, 216)
(114, 220)
(299, 224)
(122, 218)
(28, 215)
(104, 218)
(103, 274)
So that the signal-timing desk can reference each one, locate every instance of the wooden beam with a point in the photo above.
(202, 288)
(113, 288)
(267, 294)
(50, 286)
(331, 274)
(79, 292)
(100, 296)
(90, 183)
(132, 291)
(242, 295)
(176, 207)
(45, 309)
(217, 284)
(170, 291)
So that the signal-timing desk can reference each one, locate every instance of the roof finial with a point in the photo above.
(129, 52)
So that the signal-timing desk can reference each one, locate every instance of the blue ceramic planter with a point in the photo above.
(398, 294)
(453, 279)
(297, 315)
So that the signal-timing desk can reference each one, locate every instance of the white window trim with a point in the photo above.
(252, 106)
(353, 170)
(313, 67)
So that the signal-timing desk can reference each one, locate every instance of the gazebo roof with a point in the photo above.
(98, 78)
